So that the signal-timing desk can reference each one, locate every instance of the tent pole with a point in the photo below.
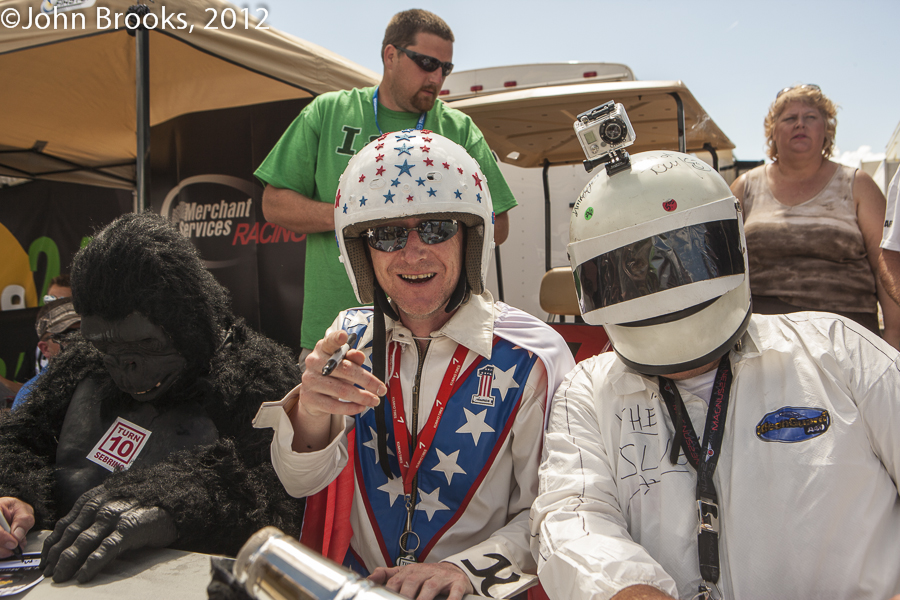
(142, 114)
(544, 177)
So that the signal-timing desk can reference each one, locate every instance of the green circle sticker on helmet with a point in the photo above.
(589, 213)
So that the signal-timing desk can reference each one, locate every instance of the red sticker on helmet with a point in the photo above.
(670, 205)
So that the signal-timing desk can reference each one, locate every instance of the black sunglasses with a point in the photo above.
(427, 63)
(807, 86)
(391, 237)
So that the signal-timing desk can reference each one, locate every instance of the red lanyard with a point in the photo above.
(449, 385)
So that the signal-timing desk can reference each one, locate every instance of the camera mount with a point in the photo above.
(615, 161)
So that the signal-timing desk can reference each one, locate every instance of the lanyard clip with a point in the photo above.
(705, 592)
(709, 516)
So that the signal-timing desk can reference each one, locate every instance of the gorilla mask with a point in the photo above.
(141, 357)
(141, 265)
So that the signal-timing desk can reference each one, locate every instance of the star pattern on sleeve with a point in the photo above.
(475, 424)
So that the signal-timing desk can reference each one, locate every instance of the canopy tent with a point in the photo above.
(529, 128)
(69, 102)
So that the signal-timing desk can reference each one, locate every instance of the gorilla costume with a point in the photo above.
(165, 354)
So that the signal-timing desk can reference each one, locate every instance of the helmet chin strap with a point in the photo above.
(379, 355)
(460, 292)
(382, 302)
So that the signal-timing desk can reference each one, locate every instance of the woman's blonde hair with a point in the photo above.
(812, 96)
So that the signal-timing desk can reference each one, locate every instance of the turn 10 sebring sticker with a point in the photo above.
(791, 424)
(119, 446)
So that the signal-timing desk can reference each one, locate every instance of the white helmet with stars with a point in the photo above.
(412, 173)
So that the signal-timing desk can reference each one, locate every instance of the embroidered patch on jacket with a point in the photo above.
(485, 383)
(791, 424)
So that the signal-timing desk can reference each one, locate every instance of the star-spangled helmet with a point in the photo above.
(660, 261)
(412, 173)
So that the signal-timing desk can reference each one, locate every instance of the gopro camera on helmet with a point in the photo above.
(603, 132)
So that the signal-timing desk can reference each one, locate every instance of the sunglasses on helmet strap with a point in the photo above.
(427, 63)
(390, 238)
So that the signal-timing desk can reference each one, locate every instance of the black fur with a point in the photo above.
(218, 495)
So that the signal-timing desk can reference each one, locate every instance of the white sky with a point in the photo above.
(733, 56)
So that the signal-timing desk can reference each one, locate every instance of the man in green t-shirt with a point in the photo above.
(301, 172)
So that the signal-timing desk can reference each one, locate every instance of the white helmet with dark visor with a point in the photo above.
(659, 259)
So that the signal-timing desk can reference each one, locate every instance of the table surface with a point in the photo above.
(148, 574)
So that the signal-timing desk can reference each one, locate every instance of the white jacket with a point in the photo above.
(495, 521)
(814, 518)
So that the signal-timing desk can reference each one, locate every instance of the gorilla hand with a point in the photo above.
(97, 530)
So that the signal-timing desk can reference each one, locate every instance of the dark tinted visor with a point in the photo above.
(661, 262)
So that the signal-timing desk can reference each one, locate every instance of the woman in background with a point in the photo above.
(813, 226)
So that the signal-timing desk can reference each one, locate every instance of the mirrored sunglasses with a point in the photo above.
(806, 86)
(390, 237)
(427, 63)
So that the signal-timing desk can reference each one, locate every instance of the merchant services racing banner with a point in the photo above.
(202, 180)
(42, 226)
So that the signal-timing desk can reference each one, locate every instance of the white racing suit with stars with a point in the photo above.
(479, 477)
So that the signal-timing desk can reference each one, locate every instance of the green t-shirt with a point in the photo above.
(314, 151)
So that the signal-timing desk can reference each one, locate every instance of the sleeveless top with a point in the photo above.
(811, 255)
